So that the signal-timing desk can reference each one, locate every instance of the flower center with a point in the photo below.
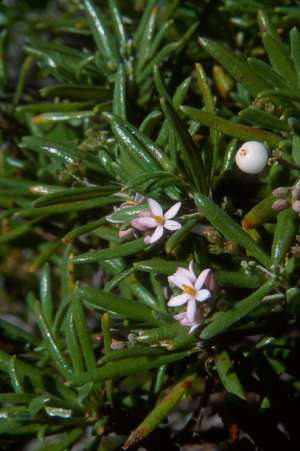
(190, 290)
(160, 220)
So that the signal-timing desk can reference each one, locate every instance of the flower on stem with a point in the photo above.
(158, 220)
(192, 292)
(281, 191)
(137, 200)
(280, 204)
(296, 206)
(296, 192)
(183, 319)
(126, 232)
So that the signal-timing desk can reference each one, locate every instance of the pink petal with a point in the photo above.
(211, 282)
(143, 223)
(202, 278)
(158, 233)
(126, 233)
(185, 321)
(191, 310)
(147, 239)
(179, 279)
(179, 300)
(155, 207)
(202, 295)
(187, 274)
(191, 271)
(179, 316)
(169, 214)
(172, 225)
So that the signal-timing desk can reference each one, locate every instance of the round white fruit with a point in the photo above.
(252, 157)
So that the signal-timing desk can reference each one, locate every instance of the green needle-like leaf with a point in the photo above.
(229, 228)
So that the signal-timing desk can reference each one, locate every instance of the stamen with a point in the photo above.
(159, 219)
(190, 290)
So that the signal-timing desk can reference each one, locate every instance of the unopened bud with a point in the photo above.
(280, 204)
(280, 191)
(296, 206)
(126, 233)
(296, 193)
(211, 282)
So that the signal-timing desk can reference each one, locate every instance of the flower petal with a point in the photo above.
(185, 321)
(211, 282)
(191, 266)
(147, 239)
(202, 295)
(178, 300)
(191, 310)
(125, 233)
(155, 207)
(179, 279)
(179, 316)
(202, 278)
(158, 233)
(169, 214)
(172, 225)
(143, 223)
(190, 275)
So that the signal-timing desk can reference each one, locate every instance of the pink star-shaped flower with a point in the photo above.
(158, 220)
(192, 291)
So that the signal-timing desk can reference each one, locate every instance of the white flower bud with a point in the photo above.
(252, 157)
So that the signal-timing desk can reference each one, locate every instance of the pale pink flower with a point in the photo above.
(137, 200)
(158, 220)
(192, 289)
(183, 319)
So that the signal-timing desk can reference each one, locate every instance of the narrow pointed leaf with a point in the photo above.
(229, 228)
(260, 213)
(190, 154)
(83, 333)
(117, 21)
(238, 68)
(117, 370)
(100, 30)
(228, 376)
(116, 305)
(223, 321)
(161, 410)
(122, 250)
(46, 294)
(230, 128)
(285, 234)
(279, 60)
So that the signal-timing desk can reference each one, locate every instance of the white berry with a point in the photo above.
(252, 157)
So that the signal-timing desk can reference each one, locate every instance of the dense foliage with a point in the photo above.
(122, 205)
